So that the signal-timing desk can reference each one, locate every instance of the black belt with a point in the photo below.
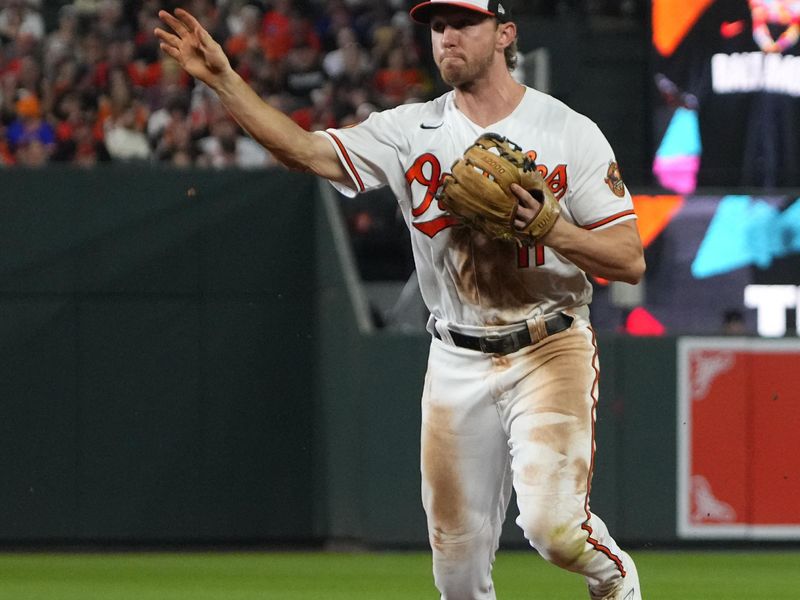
(512, 341)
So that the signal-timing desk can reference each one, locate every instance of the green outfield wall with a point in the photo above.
(182, 362)
(157, 338)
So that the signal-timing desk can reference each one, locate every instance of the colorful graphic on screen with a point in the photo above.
(727, 83)
(678, 157)
(747, 231)
(703, 252)
(768, 14)
(673, 20)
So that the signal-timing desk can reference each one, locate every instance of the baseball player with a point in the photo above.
(511, 387)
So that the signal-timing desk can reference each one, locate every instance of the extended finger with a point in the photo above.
(518, 191)
(528, 206)
(525, 198)
(166, 37)
(205, 37)
(523, 216)
(175, 24)
(171, 50)
(188, 21)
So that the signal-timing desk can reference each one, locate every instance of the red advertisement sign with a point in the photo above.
(739, 438)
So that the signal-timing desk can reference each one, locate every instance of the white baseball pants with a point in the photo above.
(527, 420)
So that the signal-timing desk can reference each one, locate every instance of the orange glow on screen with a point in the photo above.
(673, 19)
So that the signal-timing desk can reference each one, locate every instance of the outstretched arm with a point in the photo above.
(614, 253)
(204, 59)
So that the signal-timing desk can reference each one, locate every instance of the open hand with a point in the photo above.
(193, 47)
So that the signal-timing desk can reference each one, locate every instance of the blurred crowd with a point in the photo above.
(89, 84)
(84, 82)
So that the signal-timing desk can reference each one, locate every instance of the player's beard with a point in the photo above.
(462, 73)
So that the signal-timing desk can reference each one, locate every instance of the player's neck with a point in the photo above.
(491, 100)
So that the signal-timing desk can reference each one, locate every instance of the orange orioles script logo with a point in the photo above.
(426, 171)
(614, 180)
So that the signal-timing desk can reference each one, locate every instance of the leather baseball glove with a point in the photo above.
(478, 191)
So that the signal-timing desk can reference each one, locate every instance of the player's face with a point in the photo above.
(464, 43)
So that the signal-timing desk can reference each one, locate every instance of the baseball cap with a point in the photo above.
(421, 13)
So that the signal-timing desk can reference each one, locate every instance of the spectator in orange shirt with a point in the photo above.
(276, 30)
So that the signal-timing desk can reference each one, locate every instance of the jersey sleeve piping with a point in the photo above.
(347, 162)
(630, 214)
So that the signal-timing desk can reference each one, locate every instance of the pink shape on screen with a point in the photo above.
(677, 173)
(641, 322)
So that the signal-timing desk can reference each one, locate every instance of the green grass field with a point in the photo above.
(374, 576)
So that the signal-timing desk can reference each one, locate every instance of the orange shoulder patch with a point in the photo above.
(614, 180)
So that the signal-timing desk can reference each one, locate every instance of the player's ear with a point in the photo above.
(506, 34)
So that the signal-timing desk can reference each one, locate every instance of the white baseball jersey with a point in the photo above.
(469, 282)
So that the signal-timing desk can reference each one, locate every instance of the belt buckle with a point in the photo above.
(498, 344)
